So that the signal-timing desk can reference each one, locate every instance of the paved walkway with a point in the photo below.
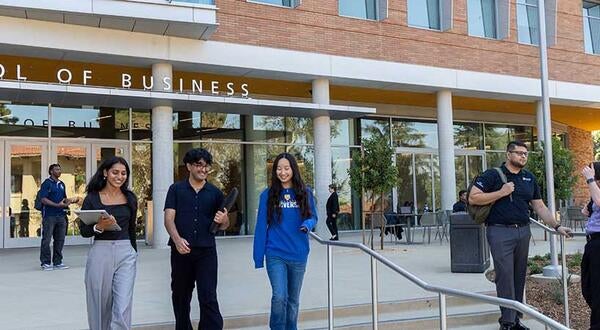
(33, 299)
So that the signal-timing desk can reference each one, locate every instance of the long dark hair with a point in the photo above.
(98, 182)
(298, 185)
(596, 167)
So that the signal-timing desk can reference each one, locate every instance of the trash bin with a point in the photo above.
(469, 251)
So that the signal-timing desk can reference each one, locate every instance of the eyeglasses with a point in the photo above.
(520, 153)
(201, 166)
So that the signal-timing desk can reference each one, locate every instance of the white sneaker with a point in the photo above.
(47, 267)
(61, 266)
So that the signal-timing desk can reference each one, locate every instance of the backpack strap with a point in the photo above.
(503, 178)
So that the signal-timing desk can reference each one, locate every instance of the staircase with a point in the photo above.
(416, 314)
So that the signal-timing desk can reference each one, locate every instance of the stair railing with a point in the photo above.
(442, 292)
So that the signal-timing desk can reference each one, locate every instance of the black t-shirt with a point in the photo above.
(194, 212)
(505, 211)
(459, 206)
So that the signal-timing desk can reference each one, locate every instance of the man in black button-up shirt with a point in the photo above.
(508, 232)
(191, 206)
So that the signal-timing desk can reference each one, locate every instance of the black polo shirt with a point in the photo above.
(194, 212)
(505, 211)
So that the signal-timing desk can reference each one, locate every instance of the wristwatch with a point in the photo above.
(97, 231)
(590, 180)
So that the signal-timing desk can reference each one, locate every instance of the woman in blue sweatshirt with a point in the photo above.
(286, 213)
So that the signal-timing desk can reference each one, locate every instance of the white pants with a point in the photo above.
(109, 278)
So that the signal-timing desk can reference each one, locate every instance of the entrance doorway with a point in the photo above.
(25, 166)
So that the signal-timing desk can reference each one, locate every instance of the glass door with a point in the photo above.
(74, 161)
(103, 151)
(468, 165)
(24, 171)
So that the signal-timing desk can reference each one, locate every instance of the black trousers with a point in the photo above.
(590, 280)
(332, 225)
(198, 267)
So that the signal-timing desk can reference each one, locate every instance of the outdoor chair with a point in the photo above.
(443, 226)
(575, 218)
(379, 222)
(428, 221)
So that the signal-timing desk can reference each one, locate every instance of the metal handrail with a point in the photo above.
(441, 291)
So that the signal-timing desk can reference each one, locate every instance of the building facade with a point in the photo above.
(450, 82)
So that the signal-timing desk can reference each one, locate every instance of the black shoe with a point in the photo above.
(519, 326)
(506, 326)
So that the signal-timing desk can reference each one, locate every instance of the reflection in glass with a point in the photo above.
(368, 127)
(141, 172)
(342, 132)
(404, 163)
(437, 185)
(482, 18)
(461, 173)
(103, 123)
(195, 125)
(285, 3)
(299, 130)
(104, 153)
(23, 120)
(495, 159)
(475, 167)
(423, 168)
(141, 125)
(25, 181)
(498, 136)
(527, 22)
(340, 165)
(468, 136)
(306, 162)
(424, 13)
(72, 162)
(591, 27)
(362, 9)
(414, 134)
(259, 162)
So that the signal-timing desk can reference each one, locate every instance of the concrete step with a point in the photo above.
(405, 314)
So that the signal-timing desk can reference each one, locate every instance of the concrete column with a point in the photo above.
(446, 149)
(322, 136)
(162, 156)
(539, 121)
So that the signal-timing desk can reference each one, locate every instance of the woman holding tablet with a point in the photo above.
(111, 264)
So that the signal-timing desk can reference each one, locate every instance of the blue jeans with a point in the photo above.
(286, 281)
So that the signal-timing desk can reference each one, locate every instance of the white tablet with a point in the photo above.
(91, 217)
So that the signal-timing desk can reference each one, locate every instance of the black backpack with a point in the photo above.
(37, 204)
(479, 213)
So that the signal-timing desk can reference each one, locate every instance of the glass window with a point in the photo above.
(78, 122)
(424, 183)
(498, 136)
(405, 188)
(141, 182)
(591, 27)
(424, 13)
(358, 8)
(482, 18)
(305, 156)
(527, 22)
(369, 127)
(195, 125)
(284, 3)
(141, 125)
(495, 159)
(468, 136)
(298, 130)
(202, 2)
(24, 120)
(342, 132)
(340, 164)
(414, 134)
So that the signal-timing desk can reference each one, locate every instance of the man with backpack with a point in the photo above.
(52, 201)
(510, 191)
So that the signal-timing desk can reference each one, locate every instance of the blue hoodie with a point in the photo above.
(284, 239)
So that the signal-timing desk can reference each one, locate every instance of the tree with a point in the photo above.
(596, 138)
(564, 179)
(374, 173)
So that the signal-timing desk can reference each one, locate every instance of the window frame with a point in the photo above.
(524, 3)
(496, 24)
(586, 19)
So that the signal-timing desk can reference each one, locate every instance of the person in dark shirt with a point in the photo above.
(24, 219)
(111, 264)
(191, 206)
(508, 231)
(54, 219)
(461, 205)
(333, 209)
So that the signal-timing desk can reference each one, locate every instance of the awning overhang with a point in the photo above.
(76, 95)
